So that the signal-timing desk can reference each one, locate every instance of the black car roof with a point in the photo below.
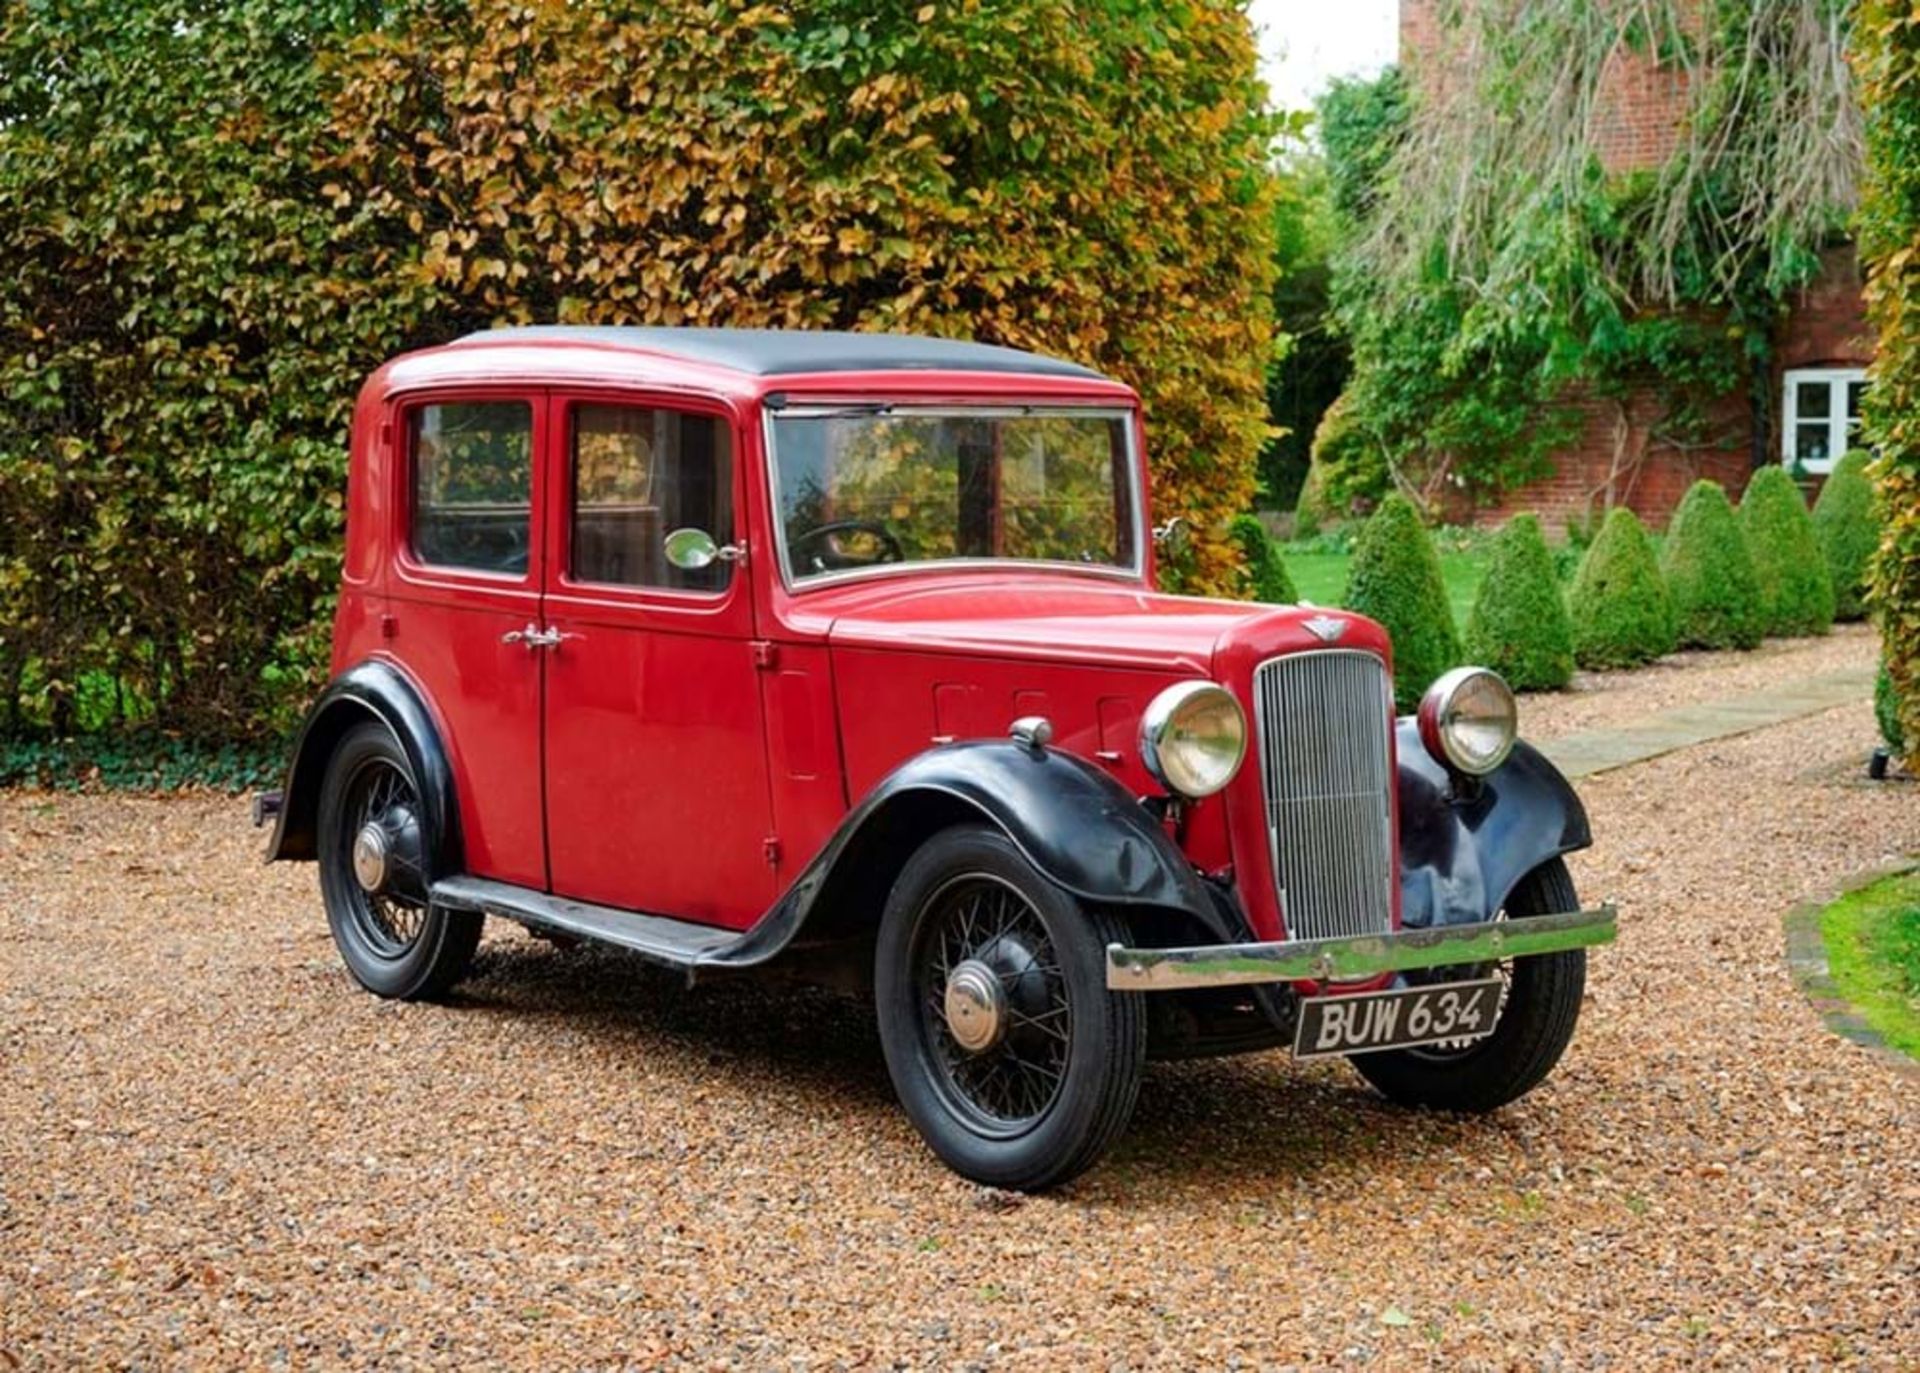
(775, 352)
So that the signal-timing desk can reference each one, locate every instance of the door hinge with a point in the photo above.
(766, 656)
(770, 846)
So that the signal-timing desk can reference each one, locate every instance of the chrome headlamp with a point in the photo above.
(1468, 720)
(1193, 738)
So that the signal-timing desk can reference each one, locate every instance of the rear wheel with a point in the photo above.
(1539, 1008)
(373, 874)
(1010, 1055)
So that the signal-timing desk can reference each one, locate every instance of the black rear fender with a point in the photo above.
(371, 691)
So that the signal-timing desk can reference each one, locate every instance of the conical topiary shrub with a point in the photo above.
(1519, 624)
(1709, 572)
(1395, 579)
(1265, 570)
(1313, 511)
(1796, 590)
(1621, 613)
(1848, 528)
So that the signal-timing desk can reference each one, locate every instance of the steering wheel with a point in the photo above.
(832, 557)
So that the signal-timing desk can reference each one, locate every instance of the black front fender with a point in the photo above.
(1075, 824)
(369, 691)
(1464, 847)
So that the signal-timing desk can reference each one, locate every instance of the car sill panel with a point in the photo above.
(676, 944)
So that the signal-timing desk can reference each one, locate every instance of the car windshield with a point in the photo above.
(872, 487)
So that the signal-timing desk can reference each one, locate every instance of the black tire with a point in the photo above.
(395, 942)
(1034, 1109)
(1536, 1022)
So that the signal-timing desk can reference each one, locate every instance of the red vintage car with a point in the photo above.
(842, 651)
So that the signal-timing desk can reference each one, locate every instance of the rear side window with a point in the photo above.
(639, 473)
(473, 484)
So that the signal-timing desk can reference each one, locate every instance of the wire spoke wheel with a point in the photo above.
(387, 896)
(995, 1013)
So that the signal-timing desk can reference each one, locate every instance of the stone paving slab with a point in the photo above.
(1588, 752)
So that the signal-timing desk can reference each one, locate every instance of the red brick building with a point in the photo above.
(1820, 354)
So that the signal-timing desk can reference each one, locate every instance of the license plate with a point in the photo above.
(1370, 1021)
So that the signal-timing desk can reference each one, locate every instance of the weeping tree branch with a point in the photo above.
(1494, 181)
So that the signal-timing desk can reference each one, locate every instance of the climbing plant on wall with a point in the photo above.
(1494, 261)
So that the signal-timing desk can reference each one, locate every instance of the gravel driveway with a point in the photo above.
(213, 1151)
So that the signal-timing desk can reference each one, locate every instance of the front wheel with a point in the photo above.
(1539, 1008)
(1006, 1049)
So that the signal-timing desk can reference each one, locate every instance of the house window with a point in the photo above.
(1822, 415)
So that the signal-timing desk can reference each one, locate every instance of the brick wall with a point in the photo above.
(1828, 323)
(1639, 113)
(1616, 459)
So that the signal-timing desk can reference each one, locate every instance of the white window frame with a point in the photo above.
(1837, 380)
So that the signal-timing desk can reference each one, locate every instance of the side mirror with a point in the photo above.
(1172, 537)
(691, 549)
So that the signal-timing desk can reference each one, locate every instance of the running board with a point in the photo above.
(677, 944)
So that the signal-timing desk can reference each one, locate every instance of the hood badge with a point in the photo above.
(1326, 628)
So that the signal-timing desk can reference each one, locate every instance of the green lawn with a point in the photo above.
(1873, 956)
(1322, 578)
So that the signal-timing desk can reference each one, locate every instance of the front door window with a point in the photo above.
(639, 473)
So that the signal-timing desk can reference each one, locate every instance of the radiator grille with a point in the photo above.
(1323, 721)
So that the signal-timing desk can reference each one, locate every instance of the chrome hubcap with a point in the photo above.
(370, 851)
(976, 1007)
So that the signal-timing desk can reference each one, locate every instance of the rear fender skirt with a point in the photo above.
(372, 690)
(1465, 843)
(1077, 825)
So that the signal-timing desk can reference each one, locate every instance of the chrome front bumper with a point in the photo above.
(1362, 956)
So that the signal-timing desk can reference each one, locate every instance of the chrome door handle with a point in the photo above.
(535, 637)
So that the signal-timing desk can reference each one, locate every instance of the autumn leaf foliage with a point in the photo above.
(1023, 173)
(218, 219)
(1886, 55)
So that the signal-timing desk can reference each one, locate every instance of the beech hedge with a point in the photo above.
(1886, 55)
(216, 219)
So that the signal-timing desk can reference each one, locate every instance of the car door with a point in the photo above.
(656, 769)
(465, 586)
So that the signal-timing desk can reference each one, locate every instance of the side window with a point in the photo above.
(472, 484)
(639, 473)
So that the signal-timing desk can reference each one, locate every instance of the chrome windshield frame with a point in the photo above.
(1103, 409)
